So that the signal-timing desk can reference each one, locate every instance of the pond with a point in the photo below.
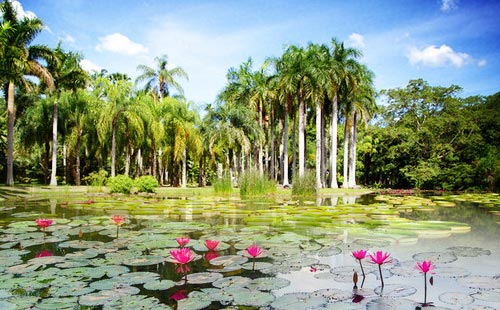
(84, 260)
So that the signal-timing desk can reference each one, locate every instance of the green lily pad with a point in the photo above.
(135, 302)
(228, 260)
(333, 295)
(267, 284)
(389, 303)
(298, 301)
(57, 303)
(196, 301)
(252, 298)
(256, 266)
(481, 282)
(139, 277)
(144, 260)
(203, 277)
(436, 257)
(233, 281)
(106, 296)
(465, 251)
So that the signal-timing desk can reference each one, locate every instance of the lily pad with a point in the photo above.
(256, 266)
(481, 282)
(395, 290)
(455, 298)
(252, 298)
(196, 301)
(465, 251)
(144, 260)
(106, 296)
(135, 302)
(489, 296)
(298, 301)
(228, 260)
(436, 257)
(58, 303)
(388, 303)
(203, 277)
(267, 284)
(159, 285)
(333, 295)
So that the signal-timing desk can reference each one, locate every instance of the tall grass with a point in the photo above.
(253, 184)
(305, 185)
(223, 186)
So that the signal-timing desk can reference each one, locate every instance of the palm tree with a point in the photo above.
(68, 75)
(160, 79)
(117, 97)
(298, 78)
(18, 59)
(342, 62)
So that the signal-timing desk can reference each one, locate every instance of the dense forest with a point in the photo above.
(314, 108)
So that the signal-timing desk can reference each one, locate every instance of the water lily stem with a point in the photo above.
(117, 228)
(425, 288)
(363, 272)
(381, 277)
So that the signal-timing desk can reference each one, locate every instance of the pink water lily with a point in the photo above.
(380, 258)
(182, 241)
(182, 256)
(118, 219)
(211, 244)
(254, 251)
(425, 267)
(43, 223)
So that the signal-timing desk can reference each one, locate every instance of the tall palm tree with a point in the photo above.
(68, 75)
(342, 63)
(298, 78)
(117, 97)
(160, 79)
(19, 59)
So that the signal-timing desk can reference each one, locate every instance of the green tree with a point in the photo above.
(19, 59)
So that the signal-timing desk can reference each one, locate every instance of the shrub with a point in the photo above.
(223, 186)
(146, 184)
(96, 179)
(253, 184)
(120, 184)
(305, 185)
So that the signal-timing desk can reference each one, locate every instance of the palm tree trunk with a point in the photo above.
(352, 151)
(261, 164)
(334, 141)
(346, 154)
(184, 168)
(10, 134)
(77, 163)
(285, 151)
(139, 162)
(154, 161)
(302, 136)
(53, 179)
(323, 149)
(318, 145)
(127, 152)
(272, 169)
(113, 149)
(160, 167)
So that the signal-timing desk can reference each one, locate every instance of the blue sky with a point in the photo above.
(442, 41)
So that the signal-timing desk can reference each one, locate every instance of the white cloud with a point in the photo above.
(448, 5)
(433, 56)
(89, 66)
(67, 38)
(482, 62)
(21, 12)
(118, 43)
(356, 40)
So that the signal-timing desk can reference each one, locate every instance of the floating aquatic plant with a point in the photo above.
(254, 251)
(380, 258)
(118, 220)
(426, 267)
(211, 244)
(43, 223)
(182, 256)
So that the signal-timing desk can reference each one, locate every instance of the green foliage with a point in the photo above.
(120, 184)
(305, 185)
(146, 184)
(253, 184)
(96, 178)
(223, 186)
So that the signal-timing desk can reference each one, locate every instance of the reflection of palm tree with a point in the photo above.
(19, 58)
(159, 79)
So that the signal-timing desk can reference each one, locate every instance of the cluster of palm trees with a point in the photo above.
(104, 121)
(313, 87)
